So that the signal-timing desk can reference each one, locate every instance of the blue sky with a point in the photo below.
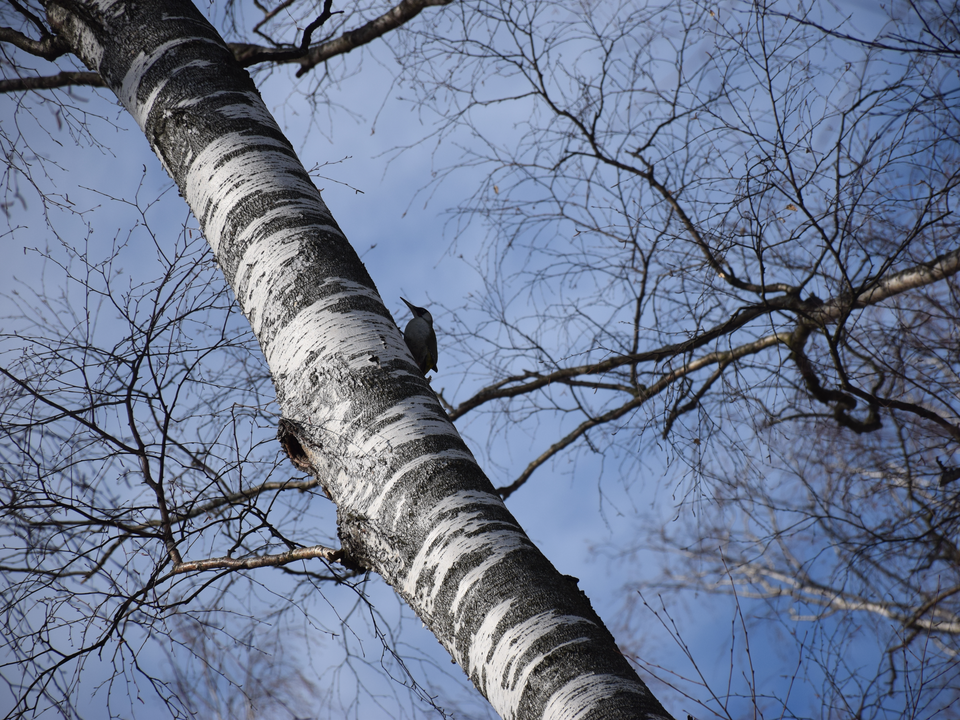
(405, 243)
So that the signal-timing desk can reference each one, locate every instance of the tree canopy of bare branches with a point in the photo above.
(716, 248)
(725, 234)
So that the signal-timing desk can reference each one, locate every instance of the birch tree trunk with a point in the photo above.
(413, 505)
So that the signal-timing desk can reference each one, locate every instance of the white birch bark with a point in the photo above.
(412, 503)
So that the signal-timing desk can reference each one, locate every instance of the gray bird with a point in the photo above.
(421, 339)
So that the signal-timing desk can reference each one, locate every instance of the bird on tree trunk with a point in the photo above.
(421, 338)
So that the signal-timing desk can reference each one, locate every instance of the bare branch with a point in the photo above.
(810, 314)
(773, 583)
(908, 46)
(229, 563)
(50, 82)
(50, 47)
(248, 54)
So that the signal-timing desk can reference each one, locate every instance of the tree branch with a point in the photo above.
(582, 428)
(811, 314)
(907, 45)
(49, 47)
(48, 82)
(229, 563)
(802, 587)
(249, 54)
